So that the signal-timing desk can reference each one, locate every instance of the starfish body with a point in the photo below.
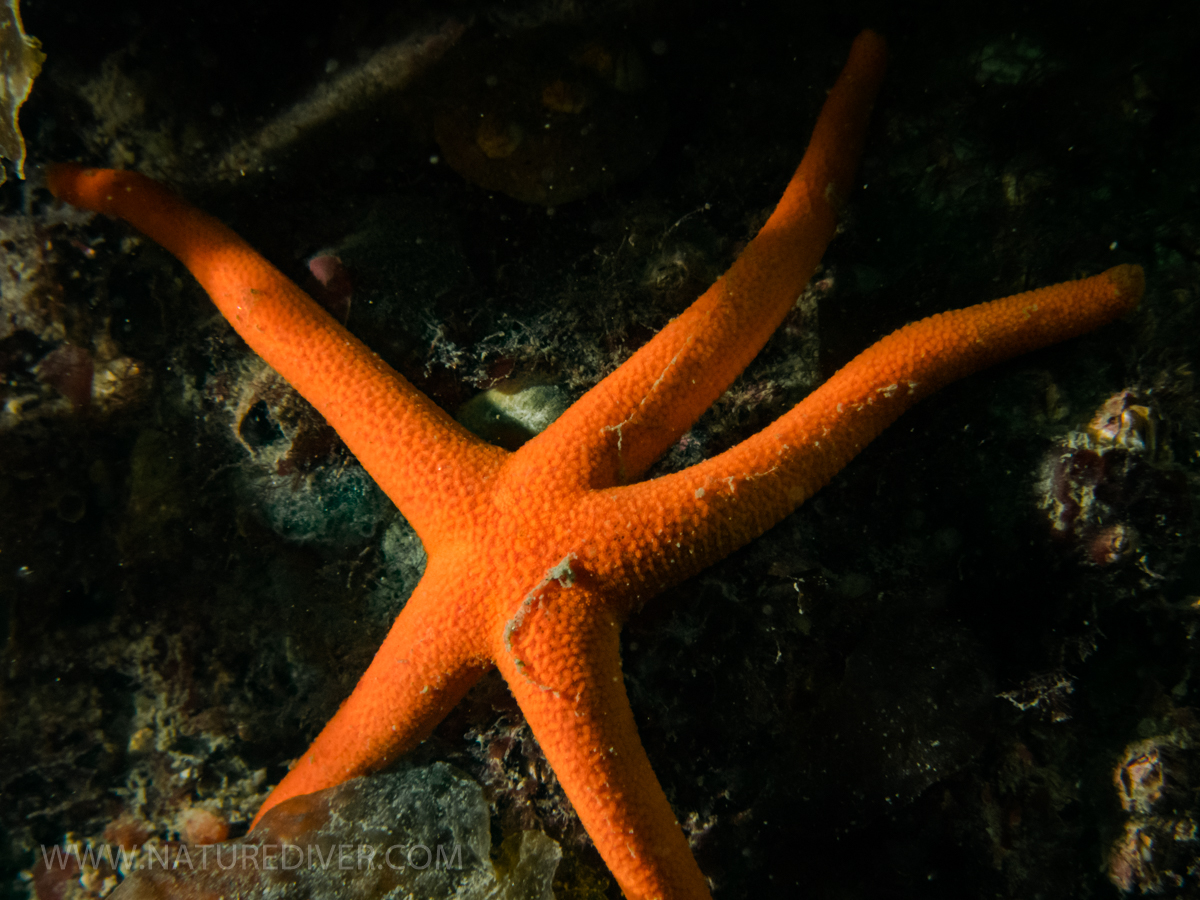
(536, 558)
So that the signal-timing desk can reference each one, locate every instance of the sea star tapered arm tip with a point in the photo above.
(535, 558)
(421, 458)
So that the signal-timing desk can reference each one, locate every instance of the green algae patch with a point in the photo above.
(21, 59)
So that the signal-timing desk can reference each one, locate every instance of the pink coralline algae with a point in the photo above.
(202, 826)
(330, 284)
(69, 369)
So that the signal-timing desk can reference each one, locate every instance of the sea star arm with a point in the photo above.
(633, 416)
(714, 507)
(433, 654)
(418, 455)
(560, 656)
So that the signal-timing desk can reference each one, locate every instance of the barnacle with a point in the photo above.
(21, 59)
(1112, 491)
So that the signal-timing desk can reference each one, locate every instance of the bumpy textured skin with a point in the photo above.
(537, 557)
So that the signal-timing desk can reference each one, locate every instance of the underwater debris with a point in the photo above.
(21, 59)
(390, 69)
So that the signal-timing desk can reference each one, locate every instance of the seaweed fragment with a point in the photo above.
(21, 59)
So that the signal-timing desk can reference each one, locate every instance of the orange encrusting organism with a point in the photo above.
(537, 557)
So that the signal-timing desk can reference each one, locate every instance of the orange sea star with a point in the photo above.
(537, 557)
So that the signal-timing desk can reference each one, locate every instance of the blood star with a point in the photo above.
(536, 558)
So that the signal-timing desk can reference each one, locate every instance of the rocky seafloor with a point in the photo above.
(965, 668)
